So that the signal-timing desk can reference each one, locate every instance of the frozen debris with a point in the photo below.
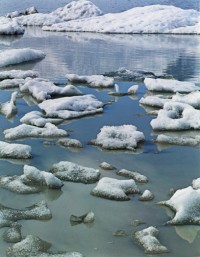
(132, 90)
(69, 142)
(34, 246)
(146, 196)
(38, 119)
(28, 11)
(98, 81)
(107, 166)
(9, 109)
(16, 56)
(196, 183)
(69, 171)
(192, 99)
(14, 151)
(23, 130)
(177, 116)
(18, 74)
(158, 19)
(13, 234)
(73, 10)
(38, 211)
(125, 137)
(178, 140)
(10, 27)
(147, 239)
(115, 189)
(38, 177)
(11, 83)
(185, 204)
(172, 86)
(133, 174)
(42, 89)
(72, 107)
(86, 218)
(156, 101)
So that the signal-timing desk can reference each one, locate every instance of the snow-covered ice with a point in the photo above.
(18, 74)
(192, 99)
(138, 177)
(156, 101)
(182, 140)
(125, 137)
(14, 151)
(13, 234)
(16, 56)
(28, 11)
(9, 109)
(10, 27)
(158, 19)
(146, 196)
(107, 166)
(11, 83)
(69, 142)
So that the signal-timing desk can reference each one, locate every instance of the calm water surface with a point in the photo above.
(173, 167)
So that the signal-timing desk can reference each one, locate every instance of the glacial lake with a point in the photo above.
(166, 168)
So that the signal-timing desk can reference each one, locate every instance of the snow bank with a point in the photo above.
(17, 74)
(166, 85)
(132, 174)
(115, 189)
(93, 80)
(158, 19)
(10, 27)
(16, 56)
(72, 11)
(125, 137)
(14, 151)
(69, 171)
(42, 89)
(72, 107)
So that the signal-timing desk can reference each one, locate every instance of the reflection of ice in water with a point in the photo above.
(188, 233)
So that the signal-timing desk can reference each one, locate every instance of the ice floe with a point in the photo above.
(146, 196)
(42, 89)
(98, 81)
(13, 234)
(107, 166)
(18, 74)
(10, 27)
(182, 140)
(72, 107)
(14, 151)
(23, 130)
(156, 101)
(147, 239)
(176, 116)
(192, 99)
(69, 142)
(9, 109)
(16, 56)
(169, 85)
(158, 19)
(125, 137)
(138, 177)
(69, 171)
(73, 10)
(115, 189)
(11, 83)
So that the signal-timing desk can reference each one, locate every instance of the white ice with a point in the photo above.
(10, 27)
(14, 151)
(17, 74)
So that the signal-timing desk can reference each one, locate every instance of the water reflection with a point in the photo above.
(188, 233)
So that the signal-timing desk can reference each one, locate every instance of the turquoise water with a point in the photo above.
(173, 167)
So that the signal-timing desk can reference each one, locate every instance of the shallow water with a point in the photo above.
(173, 167)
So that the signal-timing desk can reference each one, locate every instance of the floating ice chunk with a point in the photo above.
(69, 171)
(85, 218)
(185, 204)
(16, 56)
(196, 183)
(176, 116)
(17, 74)
(107, 166)
(10, 27)
(158, 19)
(132, 90)
(21, 131)
(178, 140)
(115, 189)
(154, 101)
(147, 239)
(13, 234)
(38, 119)
(42, 89)
(14, 151)
(173, 86)
(72, 107)
(69, 142)
(11, 83)
(42, 177)
(125, 137)
(133, 174)
(98, 81)
(9, 109)
(192, 99)
(146, 196)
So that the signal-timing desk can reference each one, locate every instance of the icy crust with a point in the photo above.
(156, 101)
(33, 246)
(177, 116)
(158, 19)
(185, 204)
(72, 107)
(147, 239)
(69, 171)
(16, 56)
(13, 234)
(23, 130)
(17, 74)
(173, 86)
(125, 137)
(178, 140)
(71, 11)
(10, 27)
(133, 175)
(115, 189)
(38, 211)
(11, 83)
(98, 81)
(192, 99)
(14, 151)
(42, 89)
(9, 109)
